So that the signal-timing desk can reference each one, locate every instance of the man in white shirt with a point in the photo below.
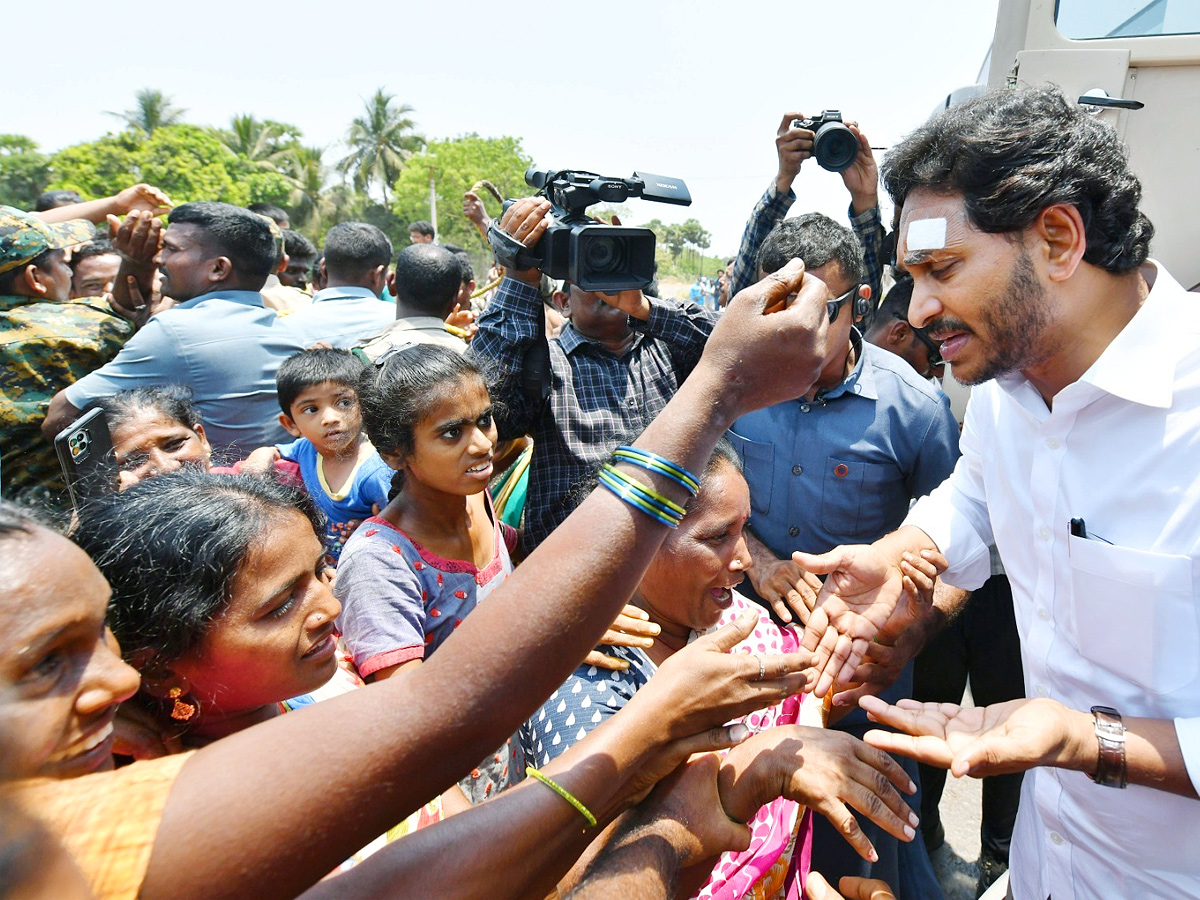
(1029, 255)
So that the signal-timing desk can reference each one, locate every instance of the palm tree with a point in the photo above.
(154, 110)
(305, 168)
(253, 139)
(380, 142)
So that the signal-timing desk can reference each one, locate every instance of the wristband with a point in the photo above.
(1110, 733)
(663, 466)
(562, 792)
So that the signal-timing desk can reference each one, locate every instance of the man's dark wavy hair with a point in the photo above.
(1012, 153)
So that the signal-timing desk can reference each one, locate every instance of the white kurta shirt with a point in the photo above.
(1113, 620)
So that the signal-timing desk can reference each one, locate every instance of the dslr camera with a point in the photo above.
(834, 145)
(591, 255)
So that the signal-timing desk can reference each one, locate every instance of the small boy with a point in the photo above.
(347, 479)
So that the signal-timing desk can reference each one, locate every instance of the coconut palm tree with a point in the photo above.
(154, 110)
(256, 140)
(380, 142)
(305, 168)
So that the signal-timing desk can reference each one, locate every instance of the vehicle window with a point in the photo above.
(1083, 20)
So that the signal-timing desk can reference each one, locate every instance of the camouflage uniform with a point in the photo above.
(43, 348)
(45, 345)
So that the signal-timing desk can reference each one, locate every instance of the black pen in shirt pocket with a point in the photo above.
(1078, 528)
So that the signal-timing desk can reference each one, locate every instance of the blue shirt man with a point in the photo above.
(224, 346)
(219, 341)
(344, 316)
(844, 466)
(841, 465)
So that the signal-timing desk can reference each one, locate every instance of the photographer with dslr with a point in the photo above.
(794, 144)
(613, 368)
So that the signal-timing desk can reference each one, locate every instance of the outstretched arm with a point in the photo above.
(138, 197)
(497, 668)
(1024, 734)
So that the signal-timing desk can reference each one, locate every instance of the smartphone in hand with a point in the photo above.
(85, 453)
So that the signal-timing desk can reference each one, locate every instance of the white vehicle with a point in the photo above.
(1130, 53)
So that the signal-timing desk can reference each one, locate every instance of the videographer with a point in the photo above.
(794, 145)
(617, 362)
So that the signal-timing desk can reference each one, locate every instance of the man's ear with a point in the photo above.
(220, 269)
(562, 302)
(899, 334)
(289, 426)
(390, 281)
(862, 303)
(1061, 230)
(283, 263)
(379, 277)
(33, 283)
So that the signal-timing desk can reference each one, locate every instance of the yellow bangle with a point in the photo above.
(562, 792)
(646, 492)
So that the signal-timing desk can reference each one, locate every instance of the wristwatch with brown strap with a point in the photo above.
(1110, 733)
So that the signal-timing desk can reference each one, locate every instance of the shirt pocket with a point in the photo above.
(883, 501)
(1135, 614)
(758, 464)
(841, 494)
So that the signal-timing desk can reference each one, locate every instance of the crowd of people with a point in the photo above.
(397, 584)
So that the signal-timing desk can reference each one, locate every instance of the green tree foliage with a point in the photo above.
(24, 172)
(187, 161)
(152, 110)
(264, 143)
(380, 142)
(456, 164)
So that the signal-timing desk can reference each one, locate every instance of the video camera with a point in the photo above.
(594, 256)
(834, 145)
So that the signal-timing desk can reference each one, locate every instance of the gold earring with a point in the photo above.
(182, 711)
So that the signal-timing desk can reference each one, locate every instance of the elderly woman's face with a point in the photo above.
(152, 443)
(61, 675)
(690, 581)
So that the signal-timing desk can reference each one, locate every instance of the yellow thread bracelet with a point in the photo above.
(562, 792)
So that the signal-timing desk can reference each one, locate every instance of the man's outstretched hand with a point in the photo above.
(991, 740)
(863, 596)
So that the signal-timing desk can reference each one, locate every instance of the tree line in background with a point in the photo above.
(383, 177)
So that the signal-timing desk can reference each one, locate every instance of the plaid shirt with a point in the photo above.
(772, 209)
(597, 400)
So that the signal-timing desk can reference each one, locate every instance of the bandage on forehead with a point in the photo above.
(926, 234)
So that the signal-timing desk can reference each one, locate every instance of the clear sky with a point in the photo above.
(689, 89)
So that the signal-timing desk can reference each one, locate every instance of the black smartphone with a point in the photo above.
(85, 453)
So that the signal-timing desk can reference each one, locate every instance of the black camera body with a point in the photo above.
(834, 145)
(592, 255)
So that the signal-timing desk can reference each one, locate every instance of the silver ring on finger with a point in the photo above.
(762, 666)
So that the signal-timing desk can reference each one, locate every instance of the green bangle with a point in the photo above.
(645, 491)
(649, 507)
(562, 792)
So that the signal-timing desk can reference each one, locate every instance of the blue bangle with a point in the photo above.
(621, 490)
(663, 466)
(645, 492)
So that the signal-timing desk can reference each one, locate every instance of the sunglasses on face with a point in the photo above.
(835, 305)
